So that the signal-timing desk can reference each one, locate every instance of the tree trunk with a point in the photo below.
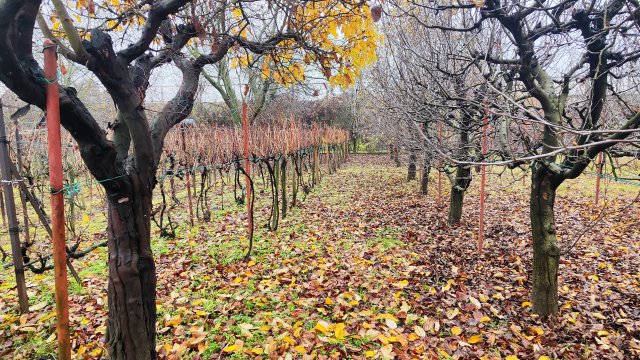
(424, 181)
(455, 205)
(131, 329)
(546, 253)
(411, 170)
(395, 155)
(456, 202)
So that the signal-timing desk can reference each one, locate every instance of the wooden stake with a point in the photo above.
(23, 200)
(54, 147)
(14, 229)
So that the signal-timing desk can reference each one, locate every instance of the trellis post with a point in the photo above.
(14, 230)
(54, 147)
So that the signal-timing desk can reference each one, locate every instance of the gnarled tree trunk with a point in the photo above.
(131, 329)
(456, 202)
(546, 253)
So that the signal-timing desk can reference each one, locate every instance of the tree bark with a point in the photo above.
(424, 181)
(395, 155)
(455, 206)
(546, 253)
(411, 169)
(456, 202)
(131, 328)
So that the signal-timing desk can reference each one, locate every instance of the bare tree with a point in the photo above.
(126, 164)
(560, 63)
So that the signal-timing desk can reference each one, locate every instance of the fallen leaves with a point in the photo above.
(474, 339)
(371, 270)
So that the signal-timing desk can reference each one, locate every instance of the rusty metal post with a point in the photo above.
(14, 229)
(54, 147)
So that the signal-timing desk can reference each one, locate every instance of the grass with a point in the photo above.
(210, 255)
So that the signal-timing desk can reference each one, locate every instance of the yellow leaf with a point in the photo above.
(365, 313)
(328, 301)
(300, 349)
(386, 316)
(511, 357)
(536, 329)
(173, 321)
(251, 263)
(598, 316)
(526, 304)
(322, 326)
(402, 284)
(47, 316)
(485, 319)
(544, 357)
(419, 331)
(256, 351)
(85, 218)
(603, 333)
(96, 353)
(443, 353)
(230, 348)
(289, 340)
(339, 331)
(456, 330)
(369, 353)
(474, 339)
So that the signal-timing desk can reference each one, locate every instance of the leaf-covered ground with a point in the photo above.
(366, 267)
